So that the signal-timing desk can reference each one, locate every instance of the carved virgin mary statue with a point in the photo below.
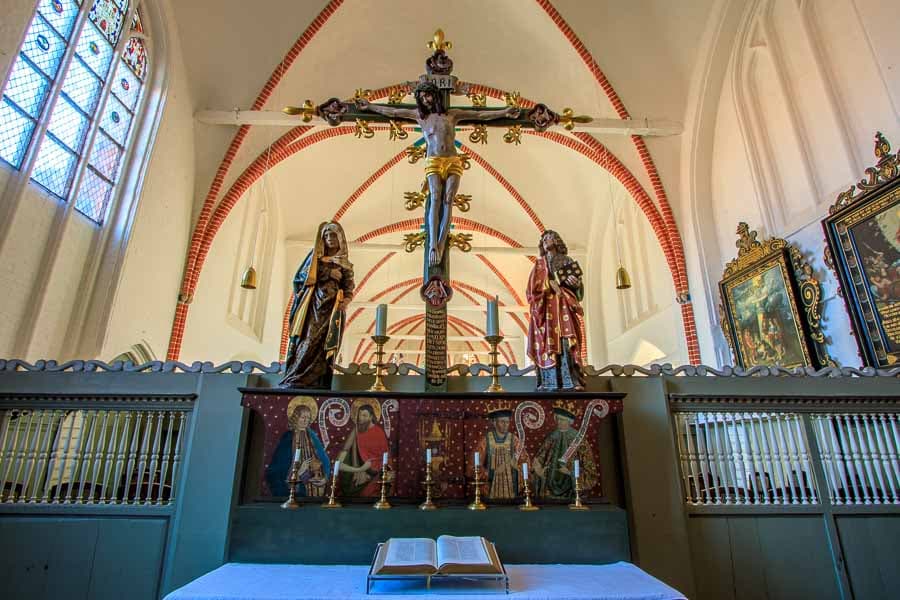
(555, 333)
(323, 287)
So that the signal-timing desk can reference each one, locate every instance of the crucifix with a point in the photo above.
(444, 166)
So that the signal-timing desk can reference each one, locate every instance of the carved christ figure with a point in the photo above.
(443, 167)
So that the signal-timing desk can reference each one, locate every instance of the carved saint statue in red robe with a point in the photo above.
(556, 330)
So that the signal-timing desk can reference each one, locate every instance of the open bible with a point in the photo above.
(445, 556)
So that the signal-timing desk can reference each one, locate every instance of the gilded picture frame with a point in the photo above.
(770, 311)
(862, 233)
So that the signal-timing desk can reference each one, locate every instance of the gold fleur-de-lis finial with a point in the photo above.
(438, 42)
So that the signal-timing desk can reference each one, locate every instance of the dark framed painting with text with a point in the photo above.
(770, 305)
(862, 231)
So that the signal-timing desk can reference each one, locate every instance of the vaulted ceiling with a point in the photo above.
(316, 50)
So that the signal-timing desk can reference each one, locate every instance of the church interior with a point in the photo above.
(674, 230)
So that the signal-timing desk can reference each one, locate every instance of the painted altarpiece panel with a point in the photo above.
(547, 434)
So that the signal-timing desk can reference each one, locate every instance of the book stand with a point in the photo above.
(457, 583)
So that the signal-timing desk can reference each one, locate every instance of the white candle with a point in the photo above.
(525, 470)
(337, 466)
(428, 455)
(577, 468)
(384, 458)
(493, 318)
(381, 319)
(297, 455)
(478, 458)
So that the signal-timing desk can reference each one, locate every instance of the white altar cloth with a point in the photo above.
(248, 581)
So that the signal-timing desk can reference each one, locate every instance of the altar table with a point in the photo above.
(248, 581)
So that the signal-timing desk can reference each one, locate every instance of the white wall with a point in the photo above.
(643, 324)
(212, 333)
(806, 87)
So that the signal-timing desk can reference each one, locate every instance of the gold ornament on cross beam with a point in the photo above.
(362, 93)
(363, 130)
(463, 241)
(411, 241)
(415, 200)
(415, 153)
(463, 202)
(438, 42)
(397, 132)
(479, 134)
(514, 135)
(308, 110)
(478, 100)
(397, 95)
(568, 119)
(513, 99)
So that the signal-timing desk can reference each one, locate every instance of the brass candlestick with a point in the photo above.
(428, 483)
(477, 504)
(529, 506)
(332, 502)
(577, 505)
(293, 479)
(380, 341)
(383, 503)
(494, 341)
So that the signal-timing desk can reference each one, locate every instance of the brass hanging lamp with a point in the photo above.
(248, 281)
(623, 279)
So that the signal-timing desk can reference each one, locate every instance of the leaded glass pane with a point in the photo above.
(15, 131)
(82, 86)
(135, 55)
(93, 196)
(105, 156)
(68, 124)
(126, 86)
(136, 24)
(93, 48)
(54, 167)
(108, 18)
(27, 88)
(43, 46)
(116, 120)
(60, 13)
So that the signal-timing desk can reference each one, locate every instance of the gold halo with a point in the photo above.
(307, 401)
(372, 402)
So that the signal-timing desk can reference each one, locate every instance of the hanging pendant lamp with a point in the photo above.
(248, 281)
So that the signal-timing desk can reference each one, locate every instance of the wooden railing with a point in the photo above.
(745, 454)
(90, 451)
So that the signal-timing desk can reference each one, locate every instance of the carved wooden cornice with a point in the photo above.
(882, 173)
(405, 369)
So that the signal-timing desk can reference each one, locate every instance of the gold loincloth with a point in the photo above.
(444, 166)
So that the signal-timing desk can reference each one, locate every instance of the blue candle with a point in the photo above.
(493, 318)
(381, 320)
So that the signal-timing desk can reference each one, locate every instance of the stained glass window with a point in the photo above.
(107, 15)
(89, 119)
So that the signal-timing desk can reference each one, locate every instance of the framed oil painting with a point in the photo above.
(863, 235)
(770, 305)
